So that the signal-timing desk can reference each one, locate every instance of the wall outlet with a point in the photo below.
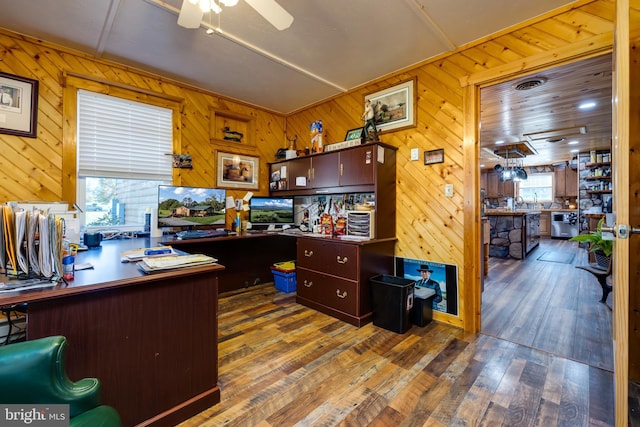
(415, 154)
(448, 190)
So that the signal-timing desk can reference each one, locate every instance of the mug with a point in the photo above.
(92, 240)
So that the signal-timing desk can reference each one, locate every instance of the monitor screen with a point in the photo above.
(191, 207)
(271, 210)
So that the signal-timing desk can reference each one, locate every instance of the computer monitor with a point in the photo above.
(266, 211)
(191, 207)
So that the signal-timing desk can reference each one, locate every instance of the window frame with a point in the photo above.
(74, 82)
(551, 175)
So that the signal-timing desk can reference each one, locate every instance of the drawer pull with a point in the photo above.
(341, 295)
(342, 260)
(308, 284)
(308, 253)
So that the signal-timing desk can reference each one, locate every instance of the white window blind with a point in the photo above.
(118, 138)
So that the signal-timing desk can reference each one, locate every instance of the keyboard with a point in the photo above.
(200, 234)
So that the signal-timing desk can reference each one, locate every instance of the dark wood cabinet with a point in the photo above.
(367, 168)
(357, 166)
(497, 188)
(566, 181)
(333, 276)
(325, 170)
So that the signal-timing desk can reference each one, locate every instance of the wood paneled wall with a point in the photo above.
(33, 168)
(429, 225)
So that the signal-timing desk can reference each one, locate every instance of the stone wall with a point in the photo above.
(506, 236)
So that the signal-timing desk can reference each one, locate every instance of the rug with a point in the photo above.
(555, 256)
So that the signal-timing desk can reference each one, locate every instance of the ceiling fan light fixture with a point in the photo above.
(229, 3)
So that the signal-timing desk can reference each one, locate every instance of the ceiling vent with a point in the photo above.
(555, 140)
(530, 83)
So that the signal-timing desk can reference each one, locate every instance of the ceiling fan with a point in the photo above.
(192, 11)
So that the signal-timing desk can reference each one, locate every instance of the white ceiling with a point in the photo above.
(331, 47)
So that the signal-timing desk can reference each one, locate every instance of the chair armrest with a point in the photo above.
(34, 372)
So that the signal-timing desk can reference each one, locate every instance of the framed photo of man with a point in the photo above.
(18, 105)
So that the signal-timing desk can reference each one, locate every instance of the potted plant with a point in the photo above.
(602, 248)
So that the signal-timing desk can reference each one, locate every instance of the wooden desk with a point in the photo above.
(150, 339)
(247, 257)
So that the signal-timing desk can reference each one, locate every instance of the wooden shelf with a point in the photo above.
(223, 121)
(596, 165)
(598, 191)
(597, 177)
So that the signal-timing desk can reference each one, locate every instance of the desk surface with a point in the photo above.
(107, 272)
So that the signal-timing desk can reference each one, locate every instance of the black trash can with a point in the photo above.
(391, 299)
(422, 310)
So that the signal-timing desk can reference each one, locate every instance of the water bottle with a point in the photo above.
(68, 260)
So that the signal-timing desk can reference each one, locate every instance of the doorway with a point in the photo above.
(540, 302)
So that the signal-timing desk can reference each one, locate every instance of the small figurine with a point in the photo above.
(369, 117)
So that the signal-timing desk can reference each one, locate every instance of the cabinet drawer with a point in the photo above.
(329, 291)
(334, 258)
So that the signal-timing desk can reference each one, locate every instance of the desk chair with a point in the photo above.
(601, 274)
(32, 372)
(18, 308)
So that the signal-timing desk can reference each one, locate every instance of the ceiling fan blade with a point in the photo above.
(272, 12)
(190, 15)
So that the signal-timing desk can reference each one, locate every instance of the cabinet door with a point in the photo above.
(325, 170)
(508, 189)
(483, 181)
(299, 173)
(571, 182)
(545, 222)
(492, 185)
(357, 166)
(339, 294)
(559, 176)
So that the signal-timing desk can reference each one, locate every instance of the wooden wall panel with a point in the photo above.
(33, 168)
(429, 225)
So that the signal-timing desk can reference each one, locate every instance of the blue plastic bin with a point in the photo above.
(284, 281)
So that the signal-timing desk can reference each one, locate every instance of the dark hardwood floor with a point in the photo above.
(549, 306)
(282, 364)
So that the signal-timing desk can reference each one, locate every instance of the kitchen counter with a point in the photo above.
(513, 234)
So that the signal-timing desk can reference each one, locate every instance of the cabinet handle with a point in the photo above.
(342, 260)
(341, 169)
(313, 173)
(341, 295)
(308, 253)
(307, 284)
(309, 174)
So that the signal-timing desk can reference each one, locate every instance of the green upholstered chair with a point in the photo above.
(33, 372)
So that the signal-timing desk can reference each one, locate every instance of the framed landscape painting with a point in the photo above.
(237, 171)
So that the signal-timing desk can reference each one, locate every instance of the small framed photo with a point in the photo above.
(434, 156)
(237, 171)
(18, 105)
(353, 134)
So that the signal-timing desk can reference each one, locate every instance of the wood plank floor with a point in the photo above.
(282, 364)
(550, 306)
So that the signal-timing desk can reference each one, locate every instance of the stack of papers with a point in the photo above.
(152, 265)
(138, 254)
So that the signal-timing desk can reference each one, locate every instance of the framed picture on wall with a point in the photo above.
(18, 105)
(237, 171)
(394, 107)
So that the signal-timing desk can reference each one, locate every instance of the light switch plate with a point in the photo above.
(448, 190)
(415, 154)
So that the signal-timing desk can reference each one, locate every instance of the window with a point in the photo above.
(122, 147)
(537, 188)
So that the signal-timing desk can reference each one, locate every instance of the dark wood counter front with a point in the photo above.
(247, 257)
(150, 339)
